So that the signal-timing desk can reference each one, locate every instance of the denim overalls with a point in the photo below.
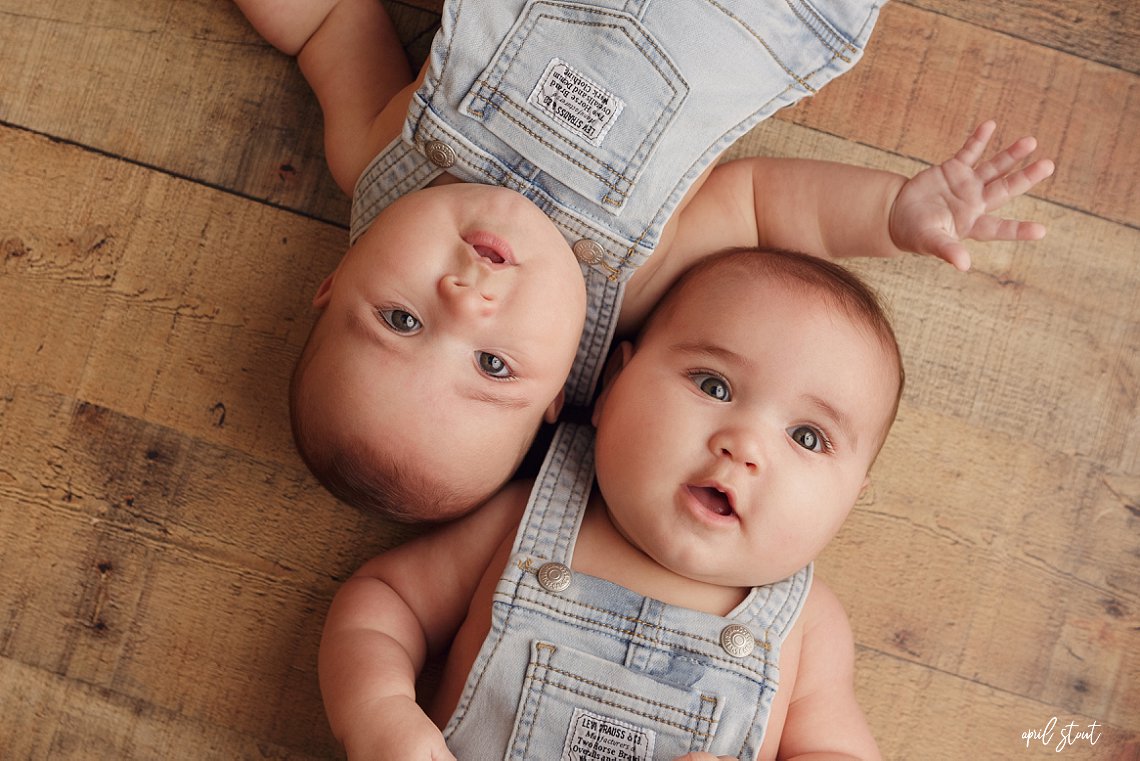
(578, 668)
(603, 113)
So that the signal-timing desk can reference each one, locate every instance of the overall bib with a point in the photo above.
(604, 113)
(580, 669)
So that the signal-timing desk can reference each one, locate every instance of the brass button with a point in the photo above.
(554, 577)
(588, 251)
(439, 153)
(737, 640)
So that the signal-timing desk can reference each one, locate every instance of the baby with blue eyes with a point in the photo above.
(671, 572)
(462, 317)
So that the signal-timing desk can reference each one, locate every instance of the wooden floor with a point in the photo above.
(166, 561)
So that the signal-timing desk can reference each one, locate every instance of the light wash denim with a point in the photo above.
(604, 113)
(596, 672)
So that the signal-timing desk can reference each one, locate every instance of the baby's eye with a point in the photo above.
(808, 438)
(493, 365)
(401, 320)
(712, 385)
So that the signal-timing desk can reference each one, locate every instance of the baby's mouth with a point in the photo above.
(489, 253)
(712, 498)
(490, 247)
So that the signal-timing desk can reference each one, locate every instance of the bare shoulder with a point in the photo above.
(823, 615)
(823, 713)
(455, 551)
(713, 215)
(826, 644)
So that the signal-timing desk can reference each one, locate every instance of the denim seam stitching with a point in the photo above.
(539, 138)
(741, 663)
(657, 124)
(836, 44)
(613, 704)
(694, 716)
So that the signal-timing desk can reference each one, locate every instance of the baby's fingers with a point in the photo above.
(1007, 159)
(1001, 190)
(995, 228)
(950, 250)
(975, 145)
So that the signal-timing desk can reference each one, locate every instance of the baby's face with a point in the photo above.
(449, 330)
(738, 435)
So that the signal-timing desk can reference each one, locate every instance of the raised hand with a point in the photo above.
(941, 206)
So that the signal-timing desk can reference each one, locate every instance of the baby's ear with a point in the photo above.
(555, 408)
(614, 364)
(324, 292)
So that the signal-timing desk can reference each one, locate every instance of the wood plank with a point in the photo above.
(51, 717)
(232, 112)
(976, 589)
(238, 115)
(926, 79)
(155, 297)
(973, 721)
(169, 572)
(1103, 31)
(165, 560)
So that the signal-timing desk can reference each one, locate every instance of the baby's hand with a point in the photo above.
(400, 731)
(941, 206)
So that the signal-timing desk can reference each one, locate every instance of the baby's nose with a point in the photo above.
(467, 296)
(739, 445)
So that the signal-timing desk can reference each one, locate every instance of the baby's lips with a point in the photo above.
(714, 497)
(491, 247)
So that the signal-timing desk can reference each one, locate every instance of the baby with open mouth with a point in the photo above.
(652, 592)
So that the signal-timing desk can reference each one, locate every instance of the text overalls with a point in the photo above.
(578, 668)
(604, 113)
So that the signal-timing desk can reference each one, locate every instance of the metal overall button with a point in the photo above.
(737, 640)
(554, 577)
(588, 251)
(439, 153)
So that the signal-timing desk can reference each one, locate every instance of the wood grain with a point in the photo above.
(166, 560)
(927, 79)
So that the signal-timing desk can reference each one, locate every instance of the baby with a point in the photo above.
(669, 606)
(464, 314)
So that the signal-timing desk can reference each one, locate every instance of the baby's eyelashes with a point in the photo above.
(811, 438)
(400, 320)
(493, 365)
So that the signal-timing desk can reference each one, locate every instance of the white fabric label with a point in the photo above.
(576, 102)
(593, 737)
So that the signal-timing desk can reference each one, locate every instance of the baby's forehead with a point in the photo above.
(736, 289)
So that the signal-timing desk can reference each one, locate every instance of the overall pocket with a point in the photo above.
(582, 93)
(576, 707)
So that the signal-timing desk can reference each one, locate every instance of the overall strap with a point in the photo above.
(774, 608)
(395, 171)
(553, 515)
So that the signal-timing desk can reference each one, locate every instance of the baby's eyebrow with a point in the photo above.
(714, 351)
(841, 420)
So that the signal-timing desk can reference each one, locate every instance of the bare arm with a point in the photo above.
(824, 721)
(838, 210)
(389, 616)
(349, 54)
